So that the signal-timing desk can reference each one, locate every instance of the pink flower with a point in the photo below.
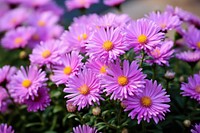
(113, 2)
(84, 129)
(4, 128)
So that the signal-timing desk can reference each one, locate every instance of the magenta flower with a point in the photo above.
(106, 44)
(192, 88)
(78, 4)
(17, 38)
(189, 56)
(6, 73)
(161, 54)
(192, 38)
(4, 8)
(151, 103)
(4, 128)
(84, 129)
(165, 20)
(70, 65)
(35, 3)
(40, 102)
(3, 96)
(83, 90)
(196, 129)
(113, 2)
(143, 34)
(26, 82)
(123, 82)
(45, 53)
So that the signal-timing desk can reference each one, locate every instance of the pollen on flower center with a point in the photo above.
(35, 37)
(122, 80)
(83, 36)
(156, 52)
(108, 45)
(163, 26)
(26, 83)
(67, 70)
(103, 69)
(197, 89)
(18, 40)
(142, 39)
(41, 23)
(146, 101)
(84, 89)
(46, 53)
(198, 44)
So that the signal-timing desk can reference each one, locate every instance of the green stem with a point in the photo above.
(154, 72)
(142, 58)
(144, 129)
(167, 84)
(108, 124)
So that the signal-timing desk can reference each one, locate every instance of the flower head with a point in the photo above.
(143, 34)
(6, 73)
(152, 103)
(113, 2)
(70, 65)
(84, 129)
(196, 129)
(40, 102)
(84, 89)
(3, 96)
(189, 56)
(4, 128)
(121, 83)
(192, 88)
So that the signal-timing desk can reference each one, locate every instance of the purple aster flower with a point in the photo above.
(83, 90)
(113, 2)
(26, 82)
(6, 73)
(4, 8)
(40, 102)
(196, 129)
(106, 44)
(192, 37)
(192, 88)
(3, 96)
(78, 4)
(70, 65)
(143, 34)
(35, 3)
(14, 18)
(125, 82)
(165, 20)
(161, 54)
(97, 66)
(45, 53)
(17, 38)
(151, 103)
(84, 129)
(4, 128)
(189, 56)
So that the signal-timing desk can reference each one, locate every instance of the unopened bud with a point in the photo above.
(187, 123)
(181, 79)
(70, 107)
(123, 105)
(96, 111)
(124, 130)
(169, 75)
(22, 54)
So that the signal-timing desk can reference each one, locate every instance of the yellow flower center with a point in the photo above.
(41, 23)
(67, 70)
(156, 52)
(84, 89)
(108, 45)
(103, 69)
(197, 89)
(18, 40)
(163, 26)
(198, 44)
(122, 80)
(46, 53)
(83, 36)
(35, 37)
(26, 83)
(146, 101)
(142, 39)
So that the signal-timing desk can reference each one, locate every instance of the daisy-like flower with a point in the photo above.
(40, 102)
(196, 128)
(161, 54)
(143, 34)
(125, 82)
(165, 20)
(3, 96)
(4, 8)
(192, 38)
(4, 128)
(26, 82)
(45, 53)
(17, 38)
(70, 65)
(6, 73)
(78, 4)
(35, 3)
(106, 44)
(98, 66)
(84, 129)
(151, 103)
(192, 88)
(113, 2)
(84, 90)
(189, 56)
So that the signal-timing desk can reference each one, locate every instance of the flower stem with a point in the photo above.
(142, 58)
(144, 129)
(154, 72)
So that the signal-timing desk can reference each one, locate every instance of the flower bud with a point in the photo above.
(122, 105)
(181, 79)
(22, 54)
(187, 123)
(70, 107)
(124, 130)
(96, 111)
(169, 75)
